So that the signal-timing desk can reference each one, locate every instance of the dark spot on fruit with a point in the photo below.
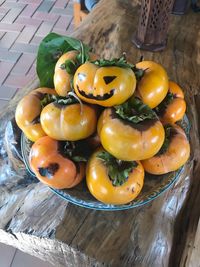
(39, 95)
(109, 79)
(57, 54)
(49, 171)
(36, 120)
(133, 190)
(59, 105)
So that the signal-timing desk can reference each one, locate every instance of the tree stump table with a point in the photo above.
(161, 233)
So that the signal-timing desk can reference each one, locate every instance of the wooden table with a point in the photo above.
(161, 233)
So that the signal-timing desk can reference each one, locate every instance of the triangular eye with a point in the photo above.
(109, 79)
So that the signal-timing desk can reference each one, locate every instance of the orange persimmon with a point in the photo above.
(174, 153)
(52, 167)
(173, 107)
(153, 86)
(28, 111)
(133, 133)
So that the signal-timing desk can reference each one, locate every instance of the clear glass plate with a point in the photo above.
(154, 185)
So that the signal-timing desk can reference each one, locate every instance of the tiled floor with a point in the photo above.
(23, 24)
(11, 257)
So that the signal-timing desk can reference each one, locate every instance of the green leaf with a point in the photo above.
(160, 109)
(48, 98)
(118, 170)
(135, 111)
(117, 62)
(69, 66)
(83, 56)
(169, 132)
(122, 63)
(50, 49)
(139, 73)
(77, 151)
(79, 159)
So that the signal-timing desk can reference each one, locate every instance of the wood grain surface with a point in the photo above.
(161, 233)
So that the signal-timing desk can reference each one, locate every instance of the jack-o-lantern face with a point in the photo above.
(105, 86)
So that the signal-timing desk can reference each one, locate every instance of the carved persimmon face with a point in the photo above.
(106, 86)
(105, 187)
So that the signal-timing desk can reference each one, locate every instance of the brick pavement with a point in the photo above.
(23, 24)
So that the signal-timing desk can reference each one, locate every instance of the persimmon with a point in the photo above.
(112, 181)
(173, 154)
(52, 166)
(28, 111)
(61, 76)
(105, 83)
(173, 107)
(153, 86)
(131, 131)
(70, 122)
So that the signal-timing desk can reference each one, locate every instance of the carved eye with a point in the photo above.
(109, 79)
(81, 77)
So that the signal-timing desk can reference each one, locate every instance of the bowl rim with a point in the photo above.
(97, 205)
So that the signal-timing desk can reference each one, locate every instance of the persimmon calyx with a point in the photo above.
(135, 111)
(118, 170)
(48, 98)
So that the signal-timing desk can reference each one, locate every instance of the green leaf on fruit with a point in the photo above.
(118, 170)
(135, 111)
(52, 47)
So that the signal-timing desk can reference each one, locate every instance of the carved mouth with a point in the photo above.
(97, 97)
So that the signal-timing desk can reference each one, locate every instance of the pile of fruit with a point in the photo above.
(107, 121)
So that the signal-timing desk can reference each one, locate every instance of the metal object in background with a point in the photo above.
(195, 5)
(153, 24)
(180, 7)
